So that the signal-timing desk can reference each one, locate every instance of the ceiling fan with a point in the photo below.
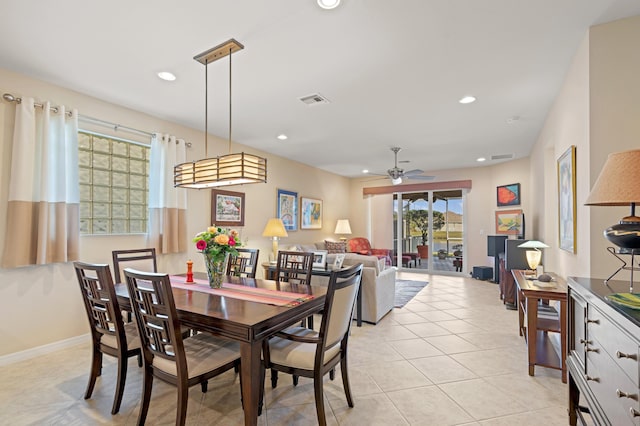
(397, 175)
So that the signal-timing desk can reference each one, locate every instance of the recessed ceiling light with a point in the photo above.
(328, 4)
(365, 171)
(481, 159)
(165, 75)
(282, 137)
(467, 100)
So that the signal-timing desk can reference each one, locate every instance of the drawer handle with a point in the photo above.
(595, 321)
(593, 379)
(623, 355)
(585, 342)
(622, 394)
(634, 413)
(596, 350)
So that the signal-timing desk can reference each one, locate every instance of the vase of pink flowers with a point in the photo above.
(216, 244)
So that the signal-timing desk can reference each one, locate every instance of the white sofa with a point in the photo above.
(378, 281)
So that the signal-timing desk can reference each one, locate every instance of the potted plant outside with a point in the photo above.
(419, 219)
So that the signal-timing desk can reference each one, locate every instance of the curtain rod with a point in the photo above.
(10, 98)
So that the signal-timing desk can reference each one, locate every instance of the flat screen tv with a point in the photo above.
(514, 256)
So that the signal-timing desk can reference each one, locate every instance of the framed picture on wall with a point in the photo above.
(509, 222)
(287, 209)
(567, 200)
(508, 195)
(310, 213)
(227, 208)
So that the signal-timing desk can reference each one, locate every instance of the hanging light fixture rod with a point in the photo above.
(220, 51)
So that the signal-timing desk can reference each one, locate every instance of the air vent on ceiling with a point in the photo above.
(502, 157)
(314, 99)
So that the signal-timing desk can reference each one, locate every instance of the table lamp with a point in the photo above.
(274, 229)
(343, 228)
(619, 185)
(534, 255)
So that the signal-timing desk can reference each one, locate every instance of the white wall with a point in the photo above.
(42, 304)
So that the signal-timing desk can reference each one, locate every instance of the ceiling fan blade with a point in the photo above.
(413, 172)
(420, 177)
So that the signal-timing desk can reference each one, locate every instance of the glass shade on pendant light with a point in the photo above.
(223, 170)
(534, 255)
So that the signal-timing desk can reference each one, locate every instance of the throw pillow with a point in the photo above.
(335, 246)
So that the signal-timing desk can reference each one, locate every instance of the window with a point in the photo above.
(114, 185)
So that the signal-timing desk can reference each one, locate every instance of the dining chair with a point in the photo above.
(109, 334)
(245, 264)
(167, 356)
(140, 259)
(295, 267)
(303, 352)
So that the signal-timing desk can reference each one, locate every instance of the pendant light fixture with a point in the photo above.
(224, 170)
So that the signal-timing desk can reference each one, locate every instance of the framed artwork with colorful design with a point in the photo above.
(508, 195)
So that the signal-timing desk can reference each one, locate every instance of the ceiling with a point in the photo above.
(393, 71)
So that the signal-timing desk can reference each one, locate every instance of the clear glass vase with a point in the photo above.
(215, 270)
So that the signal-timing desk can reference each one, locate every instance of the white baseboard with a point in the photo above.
(44, 349)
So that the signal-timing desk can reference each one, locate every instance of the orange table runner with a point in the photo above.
(238, 291)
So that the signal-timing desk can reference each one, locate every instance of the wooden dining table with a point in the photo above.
(247, 322)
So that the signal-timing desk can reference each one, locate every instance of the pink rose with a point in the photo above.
(201, 245)
(232, 242)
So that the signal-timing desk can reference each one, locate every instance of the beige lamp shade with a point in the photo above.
(619, 181)
(343, 227)
(274, 229)
(533, 244)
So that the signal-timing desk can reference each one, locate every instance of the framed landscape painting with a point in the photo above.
(509, 222)
(287, 209)
(567, 200)
(227, 208)
(508, 195)
(310, 213)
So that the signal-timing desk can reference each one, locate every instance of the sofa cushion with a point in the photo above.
(335, 246)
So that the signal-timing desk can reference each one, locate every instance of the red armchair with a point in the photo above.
(362, 246)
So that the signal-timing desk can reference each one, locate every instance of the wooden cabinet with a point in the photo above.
(604, 353)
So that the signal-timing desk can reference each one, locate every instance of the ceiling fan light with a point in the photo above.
(396, 181)
(328, 4)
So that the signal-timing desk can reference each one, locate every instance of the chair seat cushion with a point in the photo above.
(204, 353)
(131, 332)
(296, 354)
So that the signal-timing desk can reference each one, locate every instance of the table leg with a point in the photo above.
(251, 380)
(532, 331)
(563, 339)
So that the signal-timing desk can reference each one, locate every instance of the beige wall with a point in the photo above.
(41, 304)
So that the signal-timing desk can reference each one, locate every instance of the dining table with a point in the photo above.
(241, 311)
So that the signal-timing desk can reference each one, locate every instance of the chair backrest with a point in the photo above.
(338, 307)
(158, 325)
(294, 267)
(139, 259)
(359, 245)
(244, 264)
(101, 305)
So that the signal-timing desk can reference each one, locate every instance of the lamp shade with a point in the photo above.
(619, 181)
(342, 227)
(274, 228)
(533, 244)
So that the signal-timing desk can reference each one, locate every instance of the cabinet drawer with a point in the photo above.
(606, 380)
(621, 347)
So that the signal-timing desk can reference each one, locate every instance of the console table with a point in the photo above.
(535, 328)
(604, 347)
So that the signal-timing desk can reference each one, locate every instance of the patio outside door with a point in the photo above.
(430, 226)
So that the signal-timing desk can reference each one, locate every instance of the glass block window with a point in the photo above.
(114, 185)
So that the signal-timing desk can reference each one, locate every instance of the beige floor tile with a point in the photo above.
(451, 344)
(442, 369)
(459, 326)
(427, 329)
(553, 416)
(482, 400)
(371, 410)
(415, 348)
(397, 375)
(493, 362)
(428, 406)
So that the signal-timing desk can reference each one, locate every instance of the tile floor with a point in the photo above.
(451, 356)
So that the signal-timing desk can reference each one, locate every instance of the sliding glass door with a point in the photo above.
(429, 231)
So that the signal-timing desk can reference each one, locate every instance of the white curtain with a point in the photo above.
(43, 206)
(167, 205)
